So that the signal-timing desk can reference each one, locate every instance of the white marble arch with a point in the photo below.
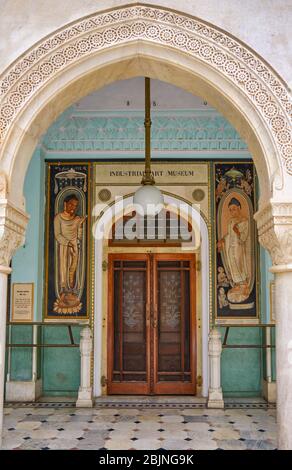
(141, 40)
(200, 227)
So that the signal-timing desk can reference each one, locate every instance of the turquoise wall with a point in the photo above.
(27, 264)
(75, 136)
(60, 366)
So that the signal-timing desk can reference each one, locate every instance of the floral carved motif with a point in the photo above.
(275, 231)
(13, 223)
(251, 75)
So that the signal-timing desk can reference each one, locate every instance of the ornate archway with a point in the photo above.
(258, 101)
(183, 50)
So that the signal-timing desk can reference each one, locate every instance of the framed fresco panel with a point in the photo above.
(235, 242)
(67, 241)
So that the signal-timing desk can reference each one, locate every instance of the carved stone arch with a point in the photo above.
(231, 70)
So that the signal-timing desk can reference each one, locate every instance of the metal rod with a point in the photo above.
(71, 334)
(239, 325)
(45, 323)
(17, 345)
(248, 346)
(148, 177)
(226, 335)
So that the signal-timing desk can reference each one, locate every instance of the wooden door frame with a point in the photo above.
(113, 388)
(151, 386)
(177, 388)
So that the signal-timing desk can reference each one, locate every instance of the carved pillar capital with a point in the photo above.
(13, 222)
(274, 224)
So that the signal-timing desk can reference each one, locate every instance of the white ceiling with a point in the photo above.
(129, 95)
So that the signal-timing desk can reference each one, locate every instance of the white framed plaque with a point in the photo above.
(22, 302)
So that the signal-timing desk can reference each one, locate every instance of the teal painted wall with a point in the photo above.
(27, 264)
(75, 136)
(242, 369)
(60, 366)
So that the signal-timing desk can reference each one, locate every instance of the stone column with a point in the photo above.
(275, 234)
(13, 223)
(85, 390)
(4, 271)
(215, 397)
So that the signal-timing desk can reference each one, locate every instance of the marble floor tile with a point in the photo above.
(225, 434)
(118, 435)
(119, 444)
(138, 428)
(43, 433)
(172, 419)
(144, 444)
(204, 445)
(176, 444)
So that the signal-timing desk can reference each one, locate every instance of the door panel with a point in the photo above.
(174, 328)
(128, 330)
(151, 342)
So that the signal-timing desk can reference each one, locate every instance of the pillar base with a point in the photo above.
(270, 391)
(215, 399)
(85, 399)
(23, 391)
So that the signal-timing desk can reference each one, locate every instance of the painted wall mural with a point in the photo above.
(236, 258)
(67, 241)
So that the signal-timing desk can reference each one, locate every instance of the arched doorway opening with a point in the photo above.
(102, 228)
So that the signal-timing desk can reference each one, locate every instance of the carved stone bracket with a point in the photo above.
(13, 222)
(275, 233)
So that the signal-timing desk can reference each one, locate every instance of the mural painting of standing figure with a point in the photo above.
(234, 246)
(68, 231)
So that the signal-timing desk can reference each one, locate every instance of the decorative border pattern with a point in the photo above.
(141, 405)
(222, 52)
(105, 133)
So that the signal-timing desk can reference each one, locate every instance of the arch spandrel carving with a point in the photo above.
(254, 79)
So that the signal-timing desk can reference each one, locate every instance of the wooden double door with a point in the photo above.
(151, 329)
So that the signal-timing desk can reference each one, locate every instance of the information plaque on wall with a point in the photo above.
(22, 302)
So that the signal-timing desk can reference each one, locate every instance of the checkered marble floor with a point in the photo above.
(56, 427)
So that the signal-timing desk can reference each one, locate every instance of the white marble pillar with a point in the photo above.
(85, 399)
(13, 222)
(283, 305)
(268, 356)
(269, 387)
(274, 223)
(4, 271)
(215, 397)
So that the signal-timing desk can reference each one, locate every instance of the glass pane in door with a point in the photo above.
(173, 328)
(130, 322)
